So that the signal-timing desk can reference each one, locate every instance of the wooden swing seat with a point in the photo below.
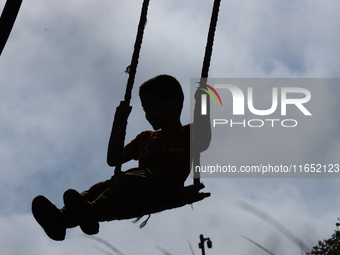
(177, 198)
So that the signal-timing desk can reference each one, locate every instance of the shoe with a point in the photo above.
(80, 209)
(49, 218)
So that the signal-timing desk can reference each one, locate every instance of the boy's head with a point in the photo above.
(162, 96)
(164, 86)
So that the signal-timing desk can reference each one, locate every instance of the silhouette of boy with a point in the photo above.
(164, 164)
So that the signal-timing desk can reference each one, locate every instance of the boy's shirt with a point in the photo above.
(164, 147)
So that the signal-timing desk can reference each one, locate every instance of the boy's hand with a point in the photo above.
(119, 125)
(122, 113)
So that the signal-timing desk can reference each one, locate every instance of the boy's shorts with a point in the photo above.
(133, 188)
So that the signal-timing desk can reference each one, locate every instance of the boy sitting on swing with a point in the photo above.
(164, 164)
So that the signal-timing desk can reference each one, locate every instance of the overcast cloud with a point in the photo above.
(60, 83)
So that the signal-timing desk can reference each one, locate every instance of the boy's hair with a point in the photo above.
(164, 86)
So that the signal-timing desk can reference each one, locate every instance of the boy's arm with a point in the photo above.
(119, 124)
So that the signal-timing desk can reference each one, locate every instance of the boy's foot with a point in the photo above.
(81, 209)
(49, 217)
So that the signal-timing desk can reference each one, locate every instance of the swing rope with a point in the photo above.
(204, 76)
(134, 62)
(210, 39)
(7, 19)
(131, 70)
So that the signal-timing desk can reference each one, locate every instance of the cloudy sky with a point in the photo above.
(60, 82)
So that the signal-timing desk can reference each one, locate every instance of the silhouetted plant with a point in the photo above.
(329, 246)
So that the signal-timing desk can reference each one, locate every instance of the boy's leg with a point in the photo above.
(81, 210)
(55, 221)
(49, 218)
(97, 189)
(121, 192)
(130, 190)
(90, 195)
(108, 199)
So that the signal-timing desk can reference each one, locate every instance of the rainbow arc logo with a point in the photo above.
(213, 90)
(204, 99)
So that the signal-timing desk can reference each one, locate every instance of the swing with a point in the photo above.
(7, 20)
(186, 195)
